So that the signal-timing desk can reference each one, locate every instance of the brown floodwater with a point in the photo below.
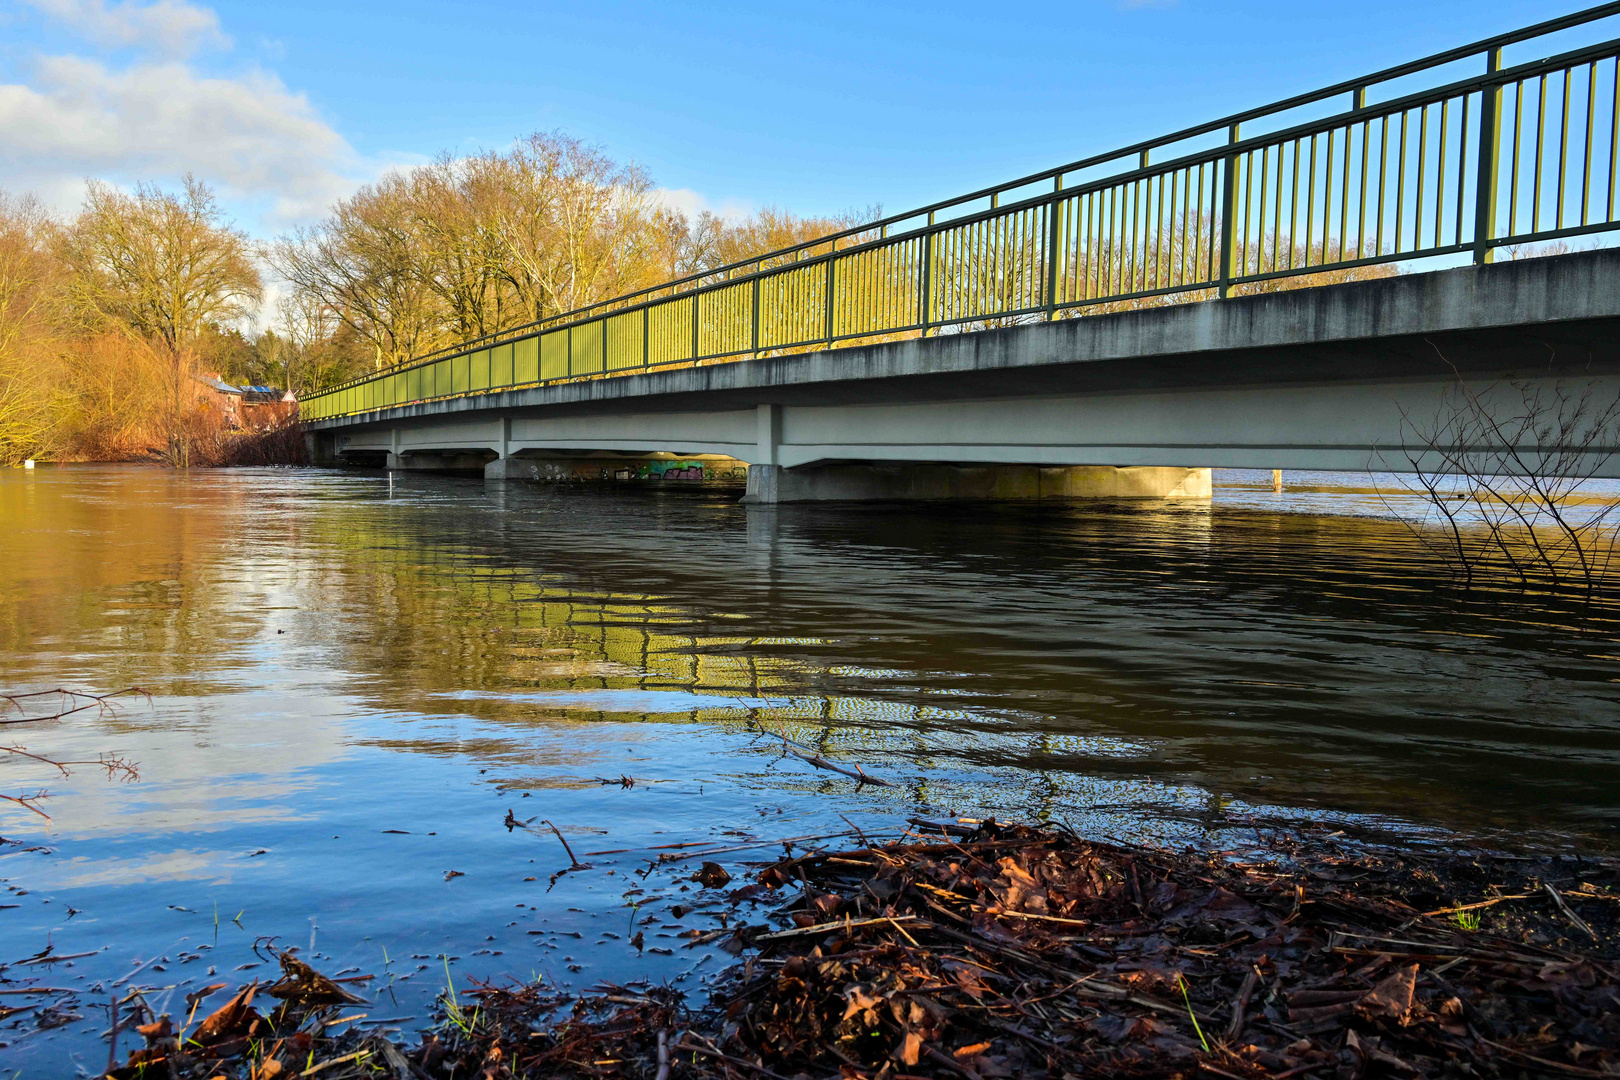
(355, 677)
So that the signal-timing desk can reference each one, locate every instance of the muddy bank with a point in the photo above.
(981, 951)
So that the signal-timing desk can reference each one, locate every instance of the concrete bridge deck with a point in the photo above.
(1332, 377)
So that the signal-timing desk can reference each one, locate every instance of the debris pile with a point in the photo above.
(1031, 952)
(1011, 951)
(292, 1038)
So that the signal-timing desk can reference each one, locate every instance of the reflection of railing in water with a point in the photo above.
(1519, 154)
(612, 643)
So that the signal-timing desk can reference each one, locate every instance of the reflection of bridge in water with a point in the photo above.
(1226, 295)
(549, 660)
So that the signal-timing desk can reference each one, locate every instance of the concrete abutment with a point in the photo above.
(768, 484)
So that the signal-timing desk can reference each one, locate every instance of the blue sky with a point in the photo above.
(814, 107)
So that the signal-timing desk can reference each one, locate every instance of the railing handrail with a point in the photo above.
(742, 270)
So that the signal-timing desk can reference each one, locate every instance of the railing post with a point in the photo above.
(926, 288)
(569, 344)
(1490, 147)
(1228, 217)
(695, 339)
(756, 316)
(646, 351)
(1054, 228)
(832, 282)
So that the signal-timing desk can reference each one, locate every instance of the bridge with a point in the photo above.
(1306, 285)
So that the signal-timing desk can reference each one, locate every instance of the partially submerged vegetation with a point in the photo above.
(988, 951)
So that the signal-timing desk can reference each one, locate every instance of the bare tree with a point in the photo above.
(1505, 473)
(470, 246)
(575, 226)
(361, 266)
(160, 267)
(30, 281)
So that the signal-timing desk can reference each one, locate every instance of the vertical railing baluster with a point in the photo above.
(832, 263)
(1563, 152)
(1586, 155)
(1614, 140)
(1054, 211)
(1541, 142)
(1228, 222)
(925, 289)
(1490, 150)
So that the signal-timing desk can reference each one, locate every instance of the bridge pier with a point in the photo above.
(442, 461)
(768, 484)
(321, 447)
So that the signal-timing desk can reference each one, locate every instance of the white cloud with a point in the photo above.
(169, 28)
(692, 203)
(248, 135)
(139, 109)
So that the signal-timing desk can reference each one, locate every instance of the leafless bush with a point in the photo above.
(1505, 472)
(280, 444)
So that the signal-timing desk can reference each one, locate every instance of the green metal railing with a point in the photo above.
(1515, 154)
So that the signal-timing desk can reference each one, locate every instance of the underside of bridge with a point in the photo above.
(1366, 375)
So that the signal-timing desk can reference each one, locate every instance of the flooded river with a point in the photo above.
(355, 679)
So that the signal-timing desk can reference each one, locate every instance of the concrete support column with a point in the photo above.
(765, 471)
(764, 485)
(511, 468)
(321, 447)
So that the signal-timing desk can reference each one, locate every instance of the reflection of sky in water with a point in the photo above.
(625, 701)
(1380, 495)
(355, 681)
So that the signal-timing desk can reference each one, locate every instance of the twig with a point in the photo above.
(663, 1055)
(1573, 1070)
(667, 857)
(52, 958)
(1031, 915)
(950, 1063)
(103, 701)
(822, 928)
(577, 865)
(902, 930)
(1558, 899)
(1475, 907)
(112, 1038)
(857, 829)
(742, 1063)
(336, 1061)
(820, 762)
(156, 957)
(1240, 1003)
